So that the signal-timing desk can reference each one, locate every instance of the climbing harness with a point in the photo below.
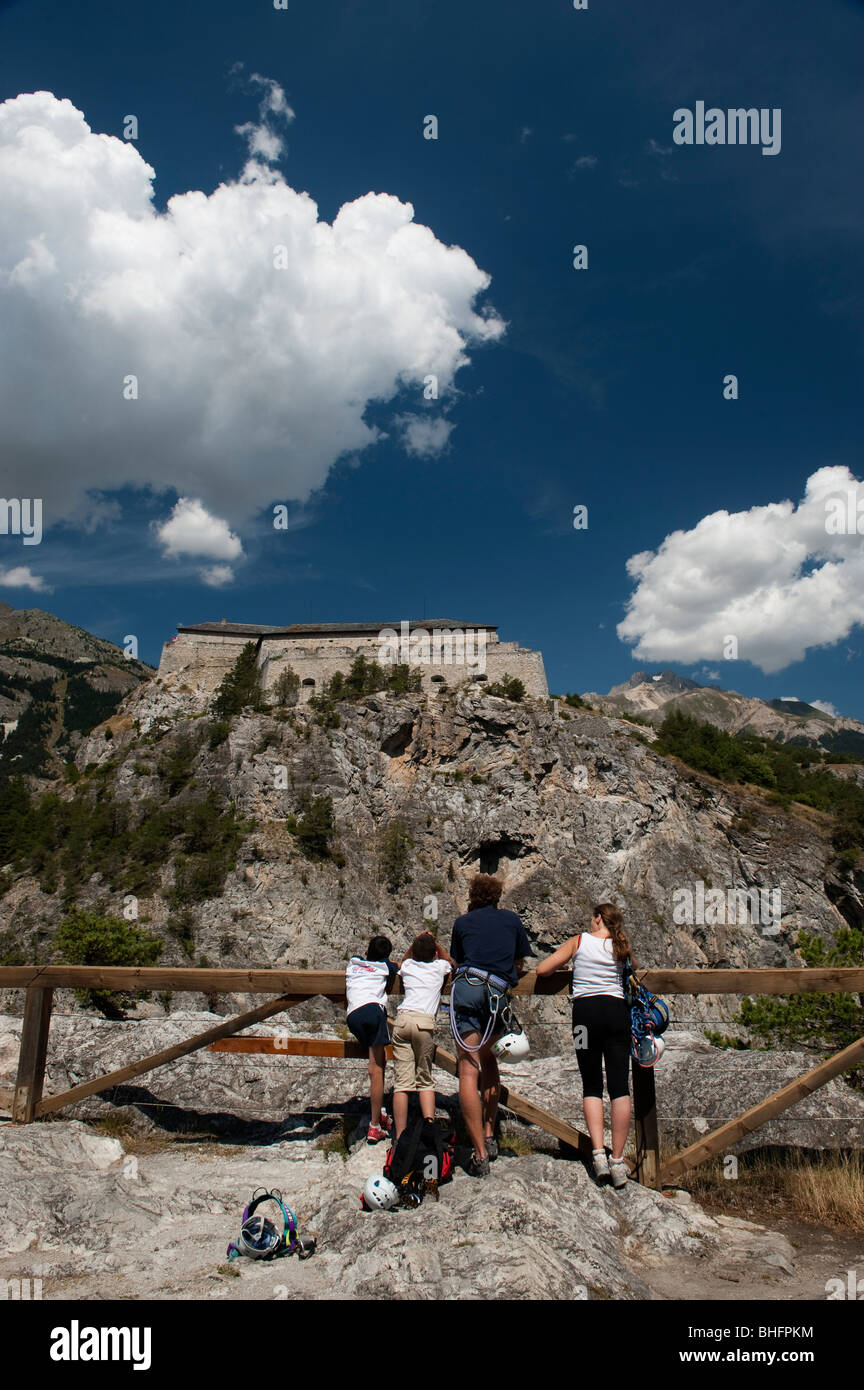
(260, 1240)
(497, 990)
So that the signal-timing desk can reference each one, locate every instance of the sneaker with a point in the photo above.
(620, 1172)
(386, 1121)
(601, 1164)
(375, 1134)
(478, 1167)
(491, 1148)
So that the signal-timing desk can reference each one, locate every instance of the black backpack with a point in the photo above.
(419, 1161)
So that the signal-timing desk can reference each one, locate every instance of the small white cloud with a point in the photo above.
(586, 161)
(217, 575)
(654, 147)
(22, 577)
(527, 130)
(193, 531)
(265, 143)
(424, 437)
(791, 699)
(826, 707)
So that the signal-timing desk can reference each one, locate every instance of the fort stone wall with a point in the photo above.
(201, 659)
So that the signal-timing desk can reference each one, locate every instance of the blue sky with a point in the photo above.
(601, 387)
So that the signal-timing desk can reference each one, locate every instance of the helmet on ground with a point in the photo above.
(380, 1194)
(259, 1238)
(512, 1047)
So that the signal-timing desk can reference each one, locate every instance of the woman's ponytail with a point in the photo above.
(613, 920)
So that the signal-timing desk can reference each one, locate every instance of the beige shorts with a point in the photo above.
(413, 1048)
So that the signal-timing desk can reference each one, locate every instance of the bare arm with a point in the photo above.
(558, 959)
(444, 955)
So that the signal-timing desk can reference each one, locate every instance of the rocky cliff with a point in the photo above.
(571, 807)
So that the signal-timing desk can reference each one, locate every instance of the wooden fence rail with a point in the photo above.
(292, 986)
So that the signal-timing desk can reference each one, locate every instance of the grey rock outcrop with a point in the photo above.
(93, 1222)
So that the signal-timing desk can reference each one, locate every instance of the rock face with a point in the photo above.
(92, 1222)
(570, 809)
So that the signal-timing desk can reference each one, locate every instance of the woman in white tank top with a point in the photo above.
(601, 1030)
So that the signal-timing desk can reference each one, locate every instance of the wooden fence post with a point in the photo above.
(647, 1169)
(33, 1053)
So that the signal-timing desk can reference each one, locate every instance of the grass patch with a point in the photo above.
(825, 1189)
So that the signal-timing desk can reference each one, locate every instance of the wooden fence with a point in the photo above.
(292, 986)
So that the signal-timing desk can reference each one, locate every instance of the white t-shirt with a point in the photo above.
(366, 982)
(423, 981)
(595, 969)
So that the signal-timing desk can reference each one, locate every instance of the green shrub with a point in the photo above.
(241, 687)
(821, 1022)
(510, 688)
(315, 827)
(394, 855)
(217, 733)
(286, 688)
(84, 938)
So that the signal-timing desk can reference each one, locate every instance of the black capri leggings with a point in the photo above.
(606, 1038)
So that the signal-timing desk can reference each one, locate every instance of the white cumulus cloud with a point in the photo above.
(773, 577)
(22, 577)
(192, 531)
(257, 333)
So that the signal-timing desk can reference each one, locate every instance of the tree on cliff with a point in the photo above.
(241, 687)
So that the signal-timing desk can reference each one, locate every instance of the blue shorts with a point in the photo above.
(471, 1008)
(369, 1025)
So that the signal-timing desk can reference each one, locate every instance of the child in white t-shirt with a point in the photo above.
(366, 981)
(424, 971)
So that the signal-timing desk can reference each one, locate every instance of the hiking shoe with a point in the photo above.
(375, 1135)
(601, 1164)
(478, 1167)
(620, 1172)
(491, 1148)
(386, 1121)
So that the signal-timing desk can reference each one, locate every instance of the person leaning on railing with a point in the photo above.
(488, 946)
(601, 1029)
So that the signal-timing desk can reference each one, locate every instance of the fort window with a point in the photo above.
(307, 681)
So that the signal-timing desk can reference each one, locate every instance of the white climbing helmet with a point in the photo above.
(380, 1194)
(511, 1047)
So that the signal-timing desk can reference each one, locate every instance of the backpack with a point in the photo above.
(419, 1161)
(649, 1018)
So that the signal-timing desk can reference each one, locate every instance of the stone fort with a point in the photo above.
(445, 651)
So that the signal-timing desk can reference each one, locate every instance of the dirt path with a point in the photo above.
(820, 1254)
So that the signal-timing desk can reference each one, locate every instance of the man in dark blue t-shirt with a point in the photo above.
(493, 942)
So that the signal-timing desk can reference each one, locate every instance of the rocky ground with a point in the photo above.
(95, 1223)
(146, 1211)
